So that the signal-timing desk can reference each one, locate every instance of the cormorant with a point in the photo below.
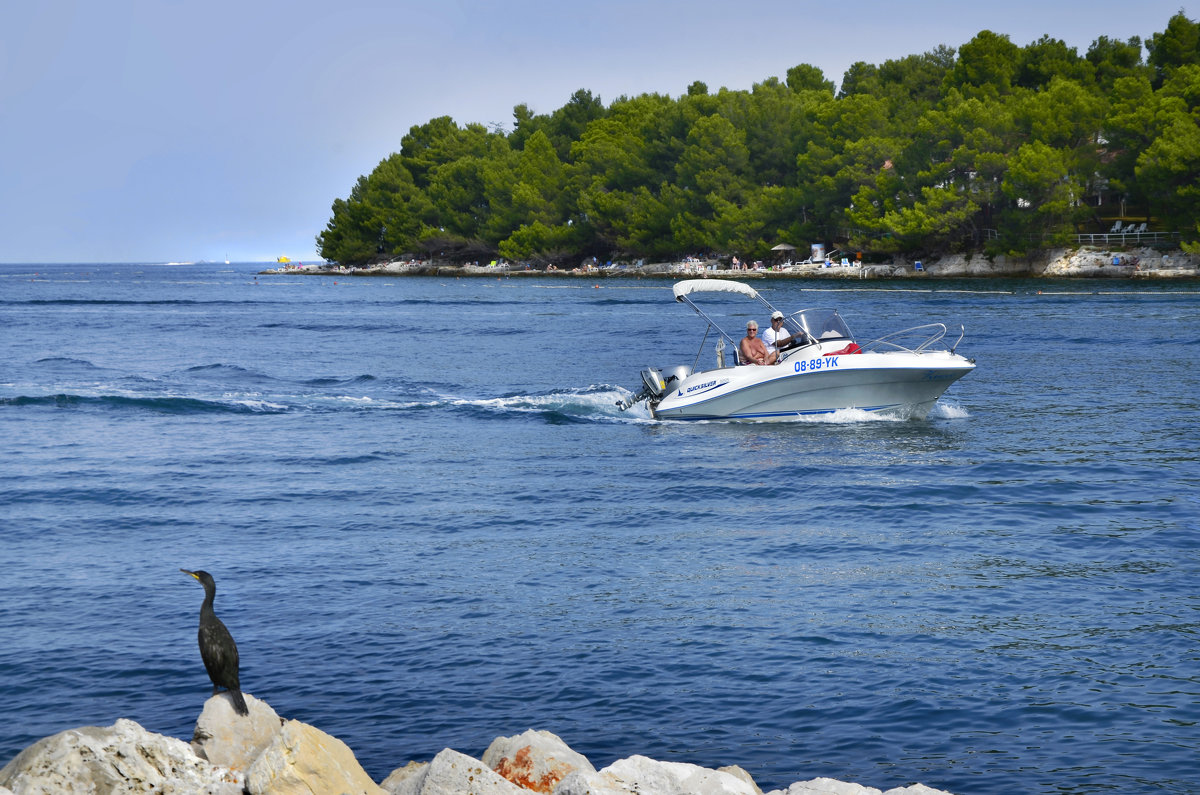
(217, 648)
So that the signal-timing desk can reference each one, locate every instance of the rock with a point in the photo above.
(734, 770)
(226, 738)
(399, 775)
(303, 760)
(452, 773)
(535, 760)
(642, 776)
(826, 786)
(829, 786)
(122, 758)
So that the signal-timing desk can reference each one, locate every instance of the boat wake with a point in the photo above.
(595, 404)
(225, 389)
(173, 404)
(589, 404)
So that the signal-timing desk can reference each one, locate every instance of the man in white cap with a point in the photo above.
(776, 337)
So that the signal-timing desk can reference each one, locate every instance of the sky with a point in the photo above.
(175, 130)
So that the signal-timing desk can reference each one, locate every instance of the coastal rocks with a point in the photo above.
(1083, 261)
(301, 760)
(122, 758)
(639, 775)
(1135, 263)
(535, 760)
(1086, 262)
(297, 759)
(975, 265)
(226, 738)
(450, 773)
(829, 786)
(1172, 265)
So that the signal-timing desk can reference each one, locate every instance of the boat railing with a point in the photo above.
(922, 337)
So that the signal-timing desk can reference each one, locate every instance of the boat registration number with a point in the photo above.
(812, 365)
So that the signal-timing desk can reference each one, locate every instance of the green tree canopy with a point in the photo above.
(991, 146)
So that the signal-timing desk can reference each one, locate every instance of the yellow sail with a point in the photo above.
(283, 259)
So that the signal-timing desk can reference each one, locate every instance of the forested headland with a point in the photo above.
(992, 148)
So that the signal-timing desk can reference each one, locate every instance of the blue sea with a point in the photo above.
(430, 525)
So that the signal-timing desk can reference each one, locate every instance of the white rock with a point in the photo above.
(826, 786)
(401, 774)
(829, 786)
(738, 772)
(916, 789)
(452, 773)
(638, 775)
(535, 760)
(226, 738)
(117, 759)
(303, 760)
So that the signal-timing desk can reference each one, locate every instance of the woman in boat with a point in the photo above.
(752, 350)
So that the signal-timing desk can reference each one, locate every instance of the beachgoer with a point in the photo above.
(752, 349)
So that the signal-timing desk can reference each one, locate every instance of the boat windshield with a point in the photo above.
(820, 324)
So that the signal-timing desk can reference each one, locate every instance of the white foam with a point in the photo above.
(372, 403)
(850, 416)
(948, 411)
(596, 402)
(259, 405)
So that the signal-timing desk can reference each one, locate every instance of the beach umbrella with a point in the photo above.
(783, 247)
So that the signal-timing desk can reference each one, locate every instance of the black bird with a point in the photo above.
(217, 648)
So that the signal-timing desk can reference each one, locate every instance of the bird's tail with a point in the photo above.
(239, 703)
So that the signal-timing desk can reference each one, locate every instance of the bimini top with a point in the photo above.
(712, 286)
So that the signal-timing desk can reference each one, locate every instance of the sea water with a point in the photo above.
(430, 525)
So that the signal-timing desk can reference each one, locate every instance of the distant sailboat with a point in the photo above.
(226, 259)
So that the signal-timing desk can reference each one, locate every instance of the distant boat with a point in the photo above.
(226, 259)
(283, 259)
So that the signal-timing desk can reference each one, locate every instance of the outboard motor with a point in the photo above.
(653, 386)
(654, 381)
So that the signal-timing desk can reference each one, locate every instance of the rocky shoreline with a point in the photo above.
(1086, 262)
(264, 754)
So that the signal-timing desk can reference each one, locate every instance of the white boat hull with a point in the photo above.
(902, 383)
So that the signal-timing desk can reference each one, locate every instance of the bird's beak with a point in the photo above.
(190, 574)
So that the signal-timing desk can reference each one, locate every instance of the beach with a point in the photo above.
(1089, 263)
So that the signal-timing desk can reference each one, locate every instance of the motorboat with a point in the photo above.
(821, 368)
